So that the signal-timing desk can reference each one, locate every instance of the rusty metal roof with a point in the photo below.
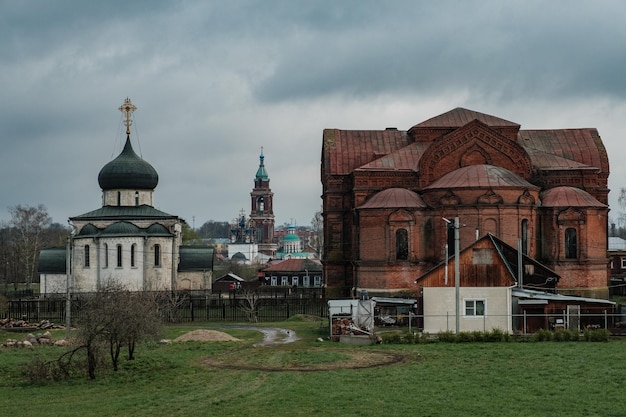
(405, 159)
(546, 161)
(345, 150)
(460, 117)
(394, 198)
(568, 197)
(487, 176)
(580, 145)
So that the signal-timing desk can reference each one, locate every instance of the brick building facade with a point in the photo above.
(385, 194)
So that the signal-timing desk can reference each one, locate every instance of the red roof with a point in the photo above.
(405, 159)
(460, 117)
(568, 197)
(583, 146)
(394, 198)
(294, 265)
(345, 151)
(488, 176)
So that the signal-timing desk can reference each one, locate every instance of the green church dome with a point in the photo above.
(128, 171)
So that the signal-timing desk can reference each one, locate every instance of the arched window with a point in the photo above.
(402, 245)
(571, 249)
(136, 198)
(87, 260)
(132, 255)
(157, 255)
(119, 256)
(261, 205)
(525, 237)
(106, 255)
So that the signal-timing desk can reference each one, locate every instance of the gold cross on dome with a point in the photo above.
(127, 109)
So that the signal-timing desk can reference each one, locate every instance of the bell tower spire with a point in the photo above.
(262, 210)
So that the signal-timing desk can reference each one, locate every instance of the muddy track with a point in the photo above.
(357, 358)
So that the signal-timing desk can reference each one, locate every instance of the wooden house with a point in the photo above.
(499, 288)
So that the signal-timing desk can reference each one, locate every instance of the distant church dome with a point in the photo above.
(128, 171)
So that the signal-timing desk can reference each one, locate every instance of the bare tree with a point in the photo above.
(116, 317)
(170, 303)
(28, 225)
(317, 225)
(250, 305)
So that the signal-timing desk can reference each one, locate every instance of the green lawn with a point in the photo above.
(438, 379)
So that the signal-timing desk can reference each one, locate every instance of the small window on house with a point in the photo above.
(284, 280)
(87, 260)
(274, 280)
(119, 198)
(136, 198)
(119, 256)
(306, 280)
(106, 255)
(474, 307)
(157, 255)
(402, 245)
(623, 263)
(132, 255)
(571, 249)
(482, 256)
(317, 280)
(294, 281)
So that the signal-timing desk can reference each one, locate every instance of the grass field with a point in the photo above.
(437, 379)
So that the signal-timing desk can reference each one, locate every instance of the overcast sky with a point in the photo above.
(214, 81)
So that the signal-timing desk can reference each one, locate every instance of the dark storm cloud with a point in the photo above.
(536, 49)
(216, 80)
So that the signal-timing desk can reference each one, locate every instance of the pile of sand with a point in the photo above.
(202, 335)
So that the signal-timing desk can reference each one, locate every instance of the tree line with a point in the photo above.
(21, 238)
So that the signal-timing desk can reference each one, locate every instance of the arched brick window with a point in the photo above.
(571, 248)
(525, 237)
(402, 245)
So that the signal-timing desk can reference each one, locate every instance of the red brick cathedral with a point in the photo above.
(385, 194)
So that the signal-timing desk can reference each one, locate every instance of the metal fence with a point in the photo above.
(190, 307)
(524, 323)
(186, 308)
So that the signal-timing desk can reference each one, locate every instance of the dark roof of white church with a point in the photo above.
(125, 213)
(128, 172)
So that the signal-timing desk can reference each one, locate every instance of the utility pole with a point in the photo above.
(457, 271)
(68, 295)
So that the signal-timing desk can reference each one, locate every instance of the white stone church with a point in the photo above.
(126, 241)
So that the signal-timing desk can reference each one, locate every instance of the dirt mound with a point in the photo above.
(202, 335)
